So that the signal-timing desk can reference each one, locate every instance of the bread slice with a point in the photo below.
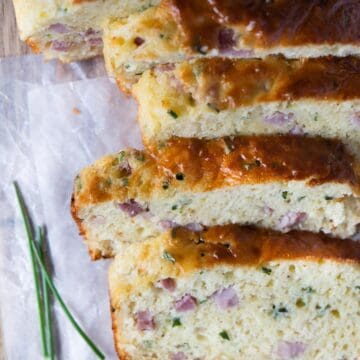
(237, 293)
(216, 97)
(182, 29)
(70, 29)
(282, 182)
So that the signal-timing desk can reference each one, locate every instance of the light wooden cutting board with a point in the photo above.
(9, 40)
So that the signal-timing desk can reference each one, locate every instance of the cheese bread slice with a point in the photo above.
(70, 29)
(185, 29)
(235, 293)
(282, 182)
(209, 98)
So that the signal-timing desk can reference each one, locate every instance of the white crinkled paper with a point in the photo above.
(54, 120)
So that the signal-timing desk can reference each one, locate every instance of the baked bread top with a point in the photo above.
(182, 251)
(227, 83)
(203, 165)
(219, 23)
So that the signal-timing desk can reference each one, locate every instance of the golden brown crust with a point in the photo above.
(95, 254)
(268, 23)
(257, 159)
(203, 165)
(122, 355)
(272, 79)
(250, 246)
(33, 45)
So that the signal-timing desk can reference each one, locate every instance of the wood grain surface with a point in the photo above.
(10, 43)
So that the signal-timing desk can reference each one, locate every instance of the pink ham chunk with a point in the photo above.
(144, 320)
(292, 219)
(279, 118)
(287, 350)
(226, 298)
(186, 303)
(167, 284)
(131, 207)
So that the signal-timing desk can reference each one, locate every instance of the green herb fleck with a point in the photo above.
(180, 176)
(316, 117)
(203, 301)
(300, 303)
(167, 256)
(176, 322)
(140, 156)
(266, 270)
(213, 107)
(301, 198)
(161, 36)
(201, 49)
(174, 207)
(328, 197)
(357, 287)
(322, 310)
(224, 335)
(147, 343)
(78, 183)
(279, 311)
(165, 185)
(284, 195)
(308, 289)
(249, 166)
(121, 156)
(124, 181)
(173, 114)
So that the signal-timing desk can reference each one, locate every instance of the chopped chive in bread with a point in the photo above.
(182, 29)
(283, 182)
(237, 293)
(209, 98)
(70, 29)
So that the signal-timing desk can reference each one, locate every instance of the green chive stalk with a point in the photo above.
(47, 304)
(30, 238)
(63, 305)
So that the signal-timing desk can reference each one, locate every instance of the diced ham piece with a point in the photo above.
(226, 298)
(91, 31)
(139, 41)
(95, 41)
(59, 28)
(297, 130)
(125, 167)
(131, 207)
(186, 303)
(355, 118)
(196, 227)
(59, 45)
(226, 39)
(165, 67)
(144, 320)
(279, 118)
(268, 210)
(97, 219)
(168, 224)
(290, 350)
(178, 356)
(292, 219)
(167, 284)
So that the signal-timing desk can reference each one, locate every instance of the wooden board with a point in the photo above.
(10, 43)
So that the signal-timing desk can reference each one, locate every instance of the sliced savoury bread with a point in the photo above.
(182, 29)
(70, 29)
(237, 293)
(283, 182)
(215, 97)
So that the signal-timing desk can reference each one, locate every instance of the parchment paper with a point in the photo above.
(54, 119)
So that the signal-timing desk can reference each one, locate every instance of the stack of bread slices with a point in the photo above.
(235, 233)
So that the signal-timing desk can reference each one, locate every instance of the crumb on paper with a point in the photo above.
(76, 111)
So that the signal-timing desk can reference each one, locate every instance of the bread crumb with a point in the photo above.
(76, 111)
